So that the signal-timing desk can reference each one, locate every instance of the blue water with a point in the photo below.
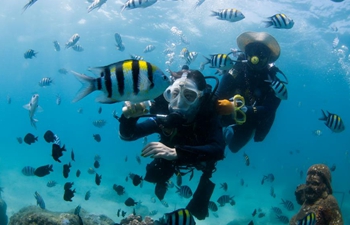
(319, 77)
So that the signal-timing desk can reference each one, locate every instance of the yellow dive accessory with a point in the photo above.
(254, 60)
(239, 115)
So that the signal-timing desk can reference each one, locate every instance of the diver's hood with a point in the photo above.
(262, 37)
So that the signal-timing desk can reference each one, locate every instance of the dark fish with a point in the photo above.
(28, 171)
(43, 170)
(78, 173)
(184, 191)
(138, 159)
(288, 205)
(97, 164)
(130, 202)
(19, 139)
(309, 219)
(178, 179)
(57, 152)
(68, 195)
(301, 174)
(30, 3)
(192, 174)
(134, 211)
(123, 213)
(98, 179)
(72, 155)
(97, 137)
(333, 168)
(277, 210)
(57, 46)
(283, 219)
(333, 122)
(251, 222)
(118, 213)
(119, 189)
(270, 178)
(242, 182)
(212, 206)
(254, 213)
(222, 200)
(272, 192)
(224, 186)
(30, 138)
(126, 159)
(77, 210)
(66, 170)
(179, 217)
(30, 54)
(136, 179)
(261, 215)
(49, 136)
(51, 183)
(63, 71)
(78, 48)
(99, 110)
(87, 195)
(246, 159)
(39, 200)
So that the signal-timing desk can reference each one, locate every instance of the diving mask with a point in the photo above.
(182, 94)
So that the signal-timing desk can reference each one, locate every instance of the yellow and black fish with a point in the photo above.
(180, 216)
(309, 219)
(333, 122)
(129, 80)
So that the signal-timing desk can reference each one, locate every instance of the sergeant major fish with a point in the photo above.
(96, 5)
(45, 82)
(179, 217)
(129, 80)
(220, 61)
(333, 122)
(149, 48)
(279, 21)
(279, 88)
(231, 15)
(132, 4)
(77, 48)
(32, 107)
(72, 41)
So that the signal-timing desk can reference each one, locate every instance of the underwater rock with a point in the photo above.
(3, 216)
(136, 220)
(33, 215)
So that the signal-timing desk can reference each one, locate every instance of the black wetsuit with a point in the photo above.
(259, 98)
(199, 144)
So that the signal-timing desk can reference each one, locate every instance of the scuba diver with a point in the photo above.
(190, 136)
(316, 199)
(255, 88)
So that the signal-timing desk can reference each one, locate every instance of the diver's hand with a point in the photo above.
(225, 107)
(135, 109)
(159, 150)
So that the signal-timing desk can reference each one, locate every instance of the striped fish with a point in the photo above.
(184, 191)
(279, 21)
(220, 61)
(279, 88)
(191, 57)
(77, 48)
(136, 57)
(118, 40)
(57, 46)
(51, 183)
(179, 217)
(46, 81)
(30, 54)
(212, 206)
(276, 210)
(96, 5)
(133, 4)
(283, 219)
(149, 48)
(129, 80)
(72, 41)
(28, 171)
(288, 205)
(184, 53)
(222, 200)
(231, 15)
(333, 122)
(309, 219)
(39, 200)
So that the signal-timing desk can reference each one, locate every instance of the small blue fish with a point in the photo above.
(39, 200)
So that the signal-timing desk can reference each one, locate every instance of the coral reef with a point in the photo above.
(137, 220)
(33, 215)
(3, 216)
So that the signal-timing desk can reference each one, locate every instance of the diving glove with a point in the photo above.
(136, 109)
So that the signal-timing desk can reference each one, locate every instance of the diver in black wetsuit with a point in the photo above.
(248, 78)
(190, 137)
